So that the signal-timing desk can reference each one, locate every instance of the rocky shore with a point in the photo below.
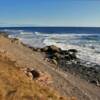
(28, 73)
(68, 61)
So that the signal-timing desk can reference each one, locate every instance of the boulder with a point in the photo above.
(98, 76)
(67, 57)
(33, 74)
(44, 49)
(57, 55)
(94, 81)
(54, 48)
(72, 56)
(64, 52)
(72, 51)
(50, 49)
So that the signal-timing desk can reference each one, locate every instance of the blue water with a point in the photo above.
(77, 30)
(85, 39)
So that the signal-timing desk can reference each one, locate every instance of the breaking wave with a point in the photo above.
(88, 45)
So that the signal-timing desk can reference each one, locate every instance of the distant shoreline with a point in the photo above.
(52, 26)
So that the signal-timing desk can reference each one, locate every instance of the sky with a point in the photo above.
(50, 12)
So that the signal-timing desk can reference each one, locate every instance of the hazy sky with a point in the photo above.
(50, 12)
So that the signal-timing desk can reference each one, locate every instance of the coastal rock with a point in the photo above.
(72, 56)
(64, 52)
(51, 49)
(57, 55)
(54, 48)
(55, 61)
(35, 74)
(38, 50)
(72, 50)
(98, 77)
(67, 57)
(32, 48)
(32, 73)
(44, 49)
(94, 81)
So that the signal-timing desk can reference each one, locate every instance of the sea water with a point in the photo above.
(85, 39)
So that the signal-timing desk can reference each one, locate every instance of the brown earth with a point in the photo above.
(16, 85)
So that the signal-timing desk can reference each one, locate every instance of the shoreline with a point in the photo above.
(74, 66)
(21, 79)
(80, 69)
(42, 62)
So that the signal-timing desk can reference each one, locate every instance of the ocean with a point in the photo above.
(85, 39)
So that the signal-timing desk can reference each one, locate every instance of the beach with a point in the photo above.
(49, 50)
(22, 56)
(16, 83)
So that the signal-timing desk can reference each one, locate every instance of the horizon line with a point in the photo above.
(47, 26)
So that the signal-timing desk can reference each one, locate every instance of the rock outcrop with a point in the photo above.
(68, 61)
(55, 54)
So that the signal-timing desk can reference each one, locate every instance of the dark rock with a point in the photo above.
(44, 49)
(67, 60)
(94, 81)
(57, 55)
(35, 74)
(32, 48)
(67, 57)
(54, 48)
(98, 77)
(51, 49)
(72, 50)
(64, 52)
(72, 56)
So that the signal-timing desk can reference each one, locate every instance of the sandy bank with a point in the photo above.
(15, 84)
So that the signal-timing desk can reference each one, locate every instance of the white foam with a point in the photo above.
(84, 53)
(26, 33)
(64, 41)
(64, 34)
(12, 31)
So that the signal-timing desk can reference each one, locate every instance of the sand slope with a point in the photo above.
(14, 83)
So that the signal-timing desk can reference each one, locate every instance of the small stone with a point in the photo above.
(33, 73)
(54, 61)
